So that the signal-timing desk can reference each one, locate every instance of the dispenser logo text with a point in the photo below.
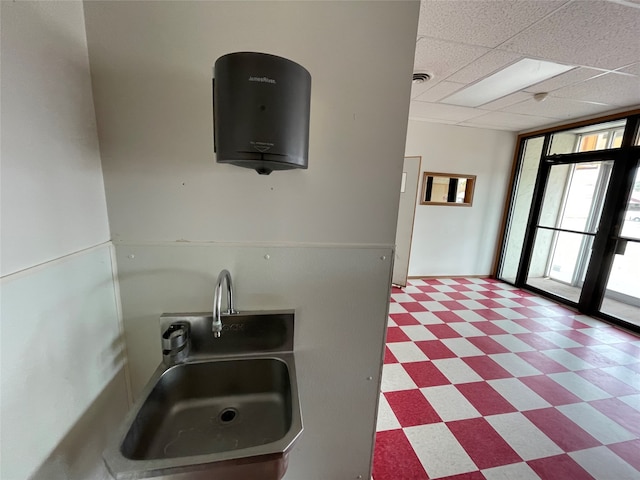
(262, 80)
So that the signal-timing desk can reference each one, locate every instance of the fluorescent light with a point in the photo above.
(515, 77)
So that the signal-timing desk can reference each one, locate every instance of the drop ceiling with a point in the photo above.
(462, 42)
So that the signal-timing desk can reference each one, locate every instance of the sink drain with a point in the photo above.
(228, 415)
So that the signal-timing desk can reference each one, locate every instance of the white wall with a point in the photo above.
(53, 200)
(60, 343)
(151, 65)
(460, 240)
(177, 217)
(61, 348)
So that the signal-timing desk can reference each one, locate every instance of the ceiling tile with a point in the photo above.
(564, 80)
(484, 66)
(561, 108)
(612, 89)
(437, 111)
(459, 20)
(586, 33)
(633, 69)
(510, 121)
(434, 120)
(441, 58)
(418, 89)
(471, 124)
(439, 91)
(500, 103)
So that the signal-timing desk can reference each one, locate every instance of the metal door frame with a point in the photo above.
(626, 160)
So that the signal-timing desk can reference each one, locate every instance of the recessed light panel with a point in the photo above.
(515, 77)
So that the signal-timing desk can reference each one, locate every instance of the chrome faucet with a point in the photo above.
(224, 276)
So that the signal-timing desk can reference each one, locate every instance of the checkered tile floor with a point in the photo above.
(485, 381)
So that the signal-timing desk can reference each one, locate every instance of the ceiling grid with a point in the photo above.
(461, 42)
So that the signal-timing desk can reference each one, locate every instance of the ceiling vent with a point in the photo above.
(421, 77)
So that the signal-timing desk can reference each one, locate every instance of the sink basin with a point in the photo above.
(229, 411)
(212, 407)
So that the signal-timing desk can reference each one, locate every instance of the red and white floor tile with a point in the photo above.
(482, 380)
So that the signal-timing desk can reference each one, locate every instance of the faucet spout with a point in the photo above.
(223, 277)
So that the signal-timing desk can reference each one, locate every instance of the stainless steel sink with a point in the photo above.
(229, 410)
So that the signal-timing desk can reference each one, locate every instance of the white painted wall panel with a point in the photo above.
(60, 347)
(52, 199)
(151, 66)
(63, 384)
(78, 456)
(340, 295)
(460, 240)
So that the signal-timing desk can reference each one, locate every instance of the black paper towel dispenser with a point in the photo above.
(261, 106)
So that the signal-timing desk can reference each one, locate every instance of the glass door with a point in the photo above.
(622, 293)
(573, 233)
(567, 226)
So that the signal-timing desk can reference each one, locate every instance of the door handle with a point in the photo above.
(621, 246)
